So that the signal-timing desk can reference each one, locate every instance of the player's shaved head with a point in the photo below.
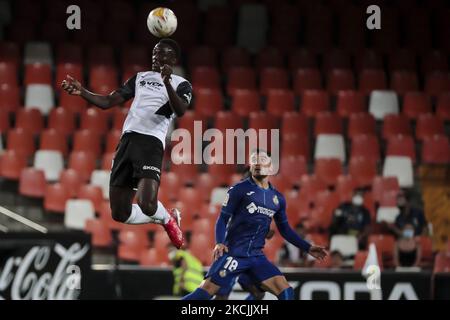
(173, 45)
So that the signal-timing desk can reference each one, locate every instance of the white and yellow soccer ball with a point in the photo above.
(162, 22)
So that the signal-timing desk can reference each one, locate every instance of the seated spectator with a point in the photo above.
(407, 249)
(352, 218)
(291, 256)
(409, 215)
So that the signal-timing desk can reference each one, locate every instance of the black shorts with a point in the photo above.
(137, 156)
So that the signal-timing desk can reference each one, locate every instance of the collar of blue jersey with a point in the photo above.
(250, 179)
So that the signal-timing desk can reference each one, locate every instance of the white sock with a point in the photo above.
(161, 214)
(138, 217)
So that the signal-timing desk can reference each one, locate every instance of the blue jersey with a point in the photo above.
(251, 209)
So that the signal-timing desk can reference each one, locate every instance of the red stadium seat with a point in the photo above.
(10, 53)
(295, 145)
(328, 170)
(245, 101)
(62, 120)
(262, 120)
(361, 123)
(21, 141)
(307, 79)
(9, 97)
(401, 145)
(118, 118)
(314, 101)
(83, 162)
(269, 57)
(415, 104)
(436, 150)
(434, 60)
(152, 258)
(294, 123)
(273, 78)
(234, 57)
(363, 170)
(327, 123)
(107, 159)
(437, 83)
(349, 102)
(51, 139)
(208, 102)
(202, 56)
(112, 140)
(68, 52)
(442, 262)
(92, 193)
(280, 101)
(103, 78)
(8, 73)
(32, 183)
(55, 198)
(75, 70)
(170, 185)
(345, 186)
(135, 55)
(426, 245)
(190, 119)
(310, 185)
(365, 146)
(429, 125)
(201, 246)
(100, 55)
(101, 235)
(302, 58)
(87, 140)
(336, 59)
(293, 168)
(369, 59)
(132, 243)
(385, 245)
(38, 73)
(185, 171)
(95, 120)
(71, 181)
(381, 185)
(30, 120)
(191, 198)
(11, 164)
(340, 79)
(372, 79)
(240, 78)
(227, 120)
(205, 183)
(402, 59)
(394, 124)
(205, 77)
(75, 104)
(221, 172)
(442, 107)
(404, 81)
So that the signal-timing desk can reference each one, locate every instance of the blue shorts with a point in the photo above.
(245, 282)
(224, 271)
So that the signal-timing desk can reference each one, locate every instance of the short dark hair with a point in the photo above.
(260, 150)
(173, 44)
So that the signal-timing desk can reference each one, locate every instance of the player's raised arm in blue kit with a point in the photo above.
(229, 206)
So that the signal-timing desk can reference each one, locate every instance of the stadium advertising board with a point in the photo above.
(49, 266)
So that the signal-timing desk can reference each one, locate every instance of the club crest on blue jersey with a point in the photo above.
(275, 200)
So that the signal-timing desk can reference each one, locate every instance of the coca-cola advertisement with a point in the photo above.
(52, 266)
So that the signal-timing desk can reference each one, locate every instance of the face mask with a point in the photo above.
(357, 200)
(408, 233)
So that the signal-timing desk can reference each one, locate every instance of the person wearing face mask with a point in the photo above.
(409, 215)
(407, 249)
(352, 218)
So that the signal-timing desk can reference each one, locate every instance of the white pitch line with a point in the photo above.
(23, 220)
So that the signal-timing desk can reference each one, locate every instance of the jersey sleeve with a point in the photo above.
(280, 216)
(232, 200)
(184, 91)
(127, 90)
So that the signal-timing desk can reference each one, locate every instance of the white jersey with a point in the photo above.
(150, 112)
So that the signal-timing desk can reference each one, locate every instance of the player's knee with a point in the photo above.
(148, 207)
(120, 214)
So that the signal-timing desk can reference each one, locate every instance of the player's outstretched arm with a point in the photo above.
(178, 105)
(74, 87)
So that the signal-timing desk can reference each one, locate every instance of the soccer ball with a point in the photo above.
(162, 22)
